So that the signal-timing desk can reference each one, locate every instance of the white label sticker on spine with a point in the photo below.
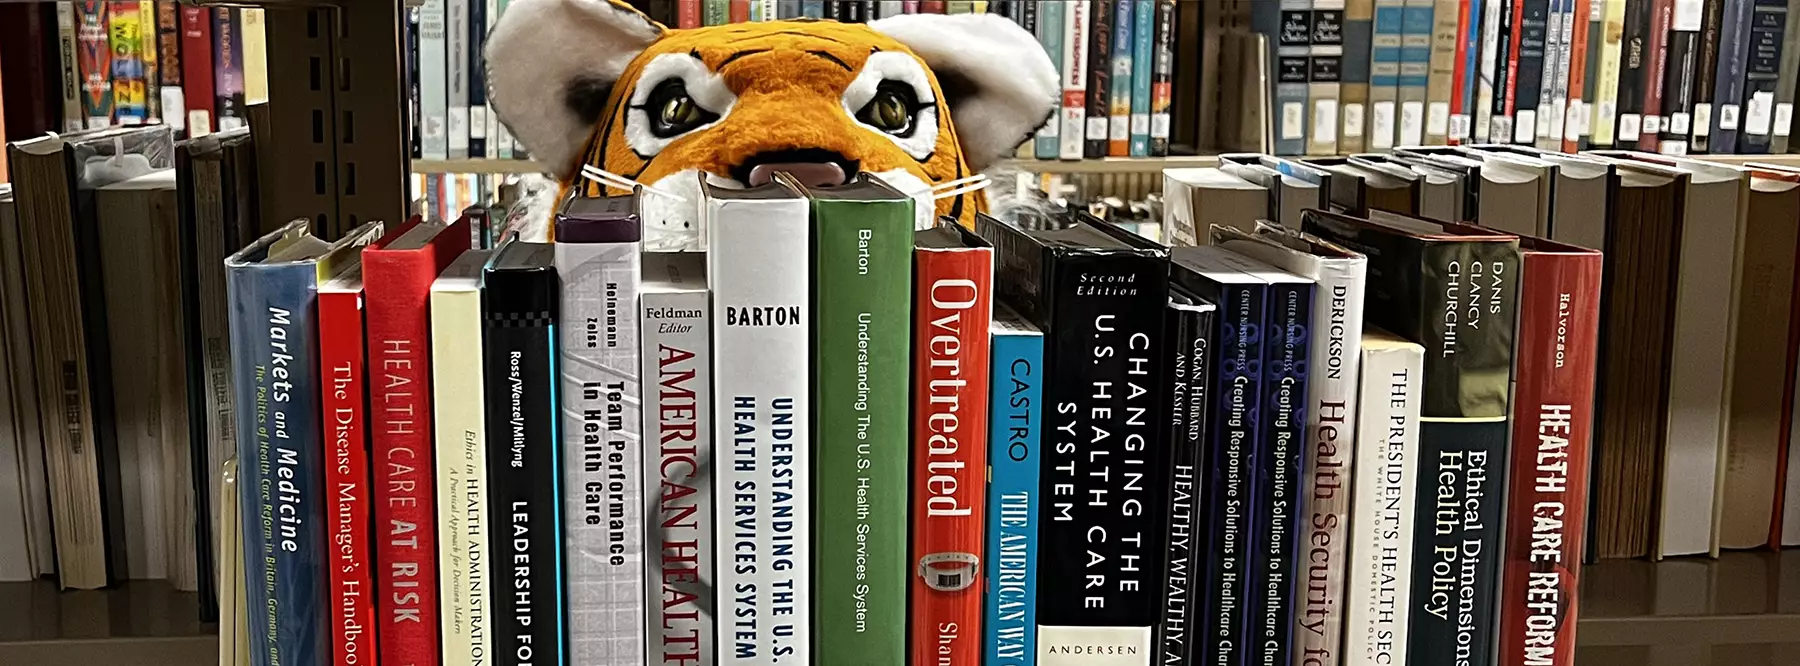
(1159, 125)
(1353, 121)
(1576, 123)
(1121, 127)
(1678, 123)
(1673, 148)
(1459, 127)
(1652, 125)
(1412, 123)
(1702, 119)
(1728, 117)
(1293, 120)
(1762, 107)
(1526, 129)
(1096, 128)
(1687, 14)
(1437, 118)
(1628, 126)
(1325, 121)
(1383, 126)
(1784, 117)
(1140, 123)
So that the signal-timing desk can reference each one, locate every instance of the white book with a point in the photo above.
(1379, 587)
(459, 431)
(597, 241)
(1337, 320)
(1484, 85)
(434, 110)
(456, 74)
(1076, 22)
(677, 397)
(758, 240)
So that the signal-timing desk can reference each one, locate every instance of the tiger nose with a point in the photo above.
(810, 174)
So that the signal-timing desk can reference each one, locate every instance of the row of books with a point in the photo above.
(1670, 76)
(1695, 426)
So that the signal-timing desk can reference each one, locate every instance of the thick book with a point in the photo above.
(519, 319)
(398, 271)
(1124, 30)
(460, 435)
(1786, 83)
(1077, 17)
(1634, 78)
(1440, 88)
(1050, 33)
(1199, 198)
(675, 335)
(197, 70)
(1143, 73)
(1531, 33)
(1417, 26)
(1418, 271)
(862, 314)
(272, 285)
(1559, 331)
(434, 100)
(1490, 119)
(1729, 78)
(1189, 323)
(1378, 585)
(1681, 76)
(1762, 67)
(1286, 196)
(600, 426)
(762, 372)
(1385, 53)
(953, 313)
(1353, 90)
(1015, 430)
(1337, 313)
(1098, 600)
(343, 382)
(1098, 53)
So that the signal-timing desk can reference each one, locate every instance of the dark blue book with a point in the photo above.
(1189, 323)
(519, 297)
(1762, 69)
(1228, 479)
(1728, 80)
(272, 288)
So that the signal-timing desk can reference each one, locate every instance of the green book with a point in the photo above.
(862, 296)
(717, 12)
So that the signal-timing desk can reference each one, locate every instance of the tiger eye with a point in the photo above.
(678, 111)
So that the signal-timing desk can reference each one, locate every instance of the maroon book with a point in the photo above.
(28, 57)
(1553, 416)
(1662, 20)
(197, 69)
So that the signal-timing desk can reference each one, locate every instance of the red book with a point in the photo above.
(32, 75)
(688, 14)
(1512, 69)
(931, 7)
(1662, 20)
(740, 11)
(352, 610)
(1459, 76)
(1559, 313)
(197, 69)
(952, 292)
(398, 271)
(1578, 48)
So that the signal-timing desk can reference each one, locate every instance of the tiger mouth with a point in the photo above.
(812, 167)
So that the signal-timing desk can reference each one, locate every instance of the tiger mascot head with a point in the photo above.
(920, 101)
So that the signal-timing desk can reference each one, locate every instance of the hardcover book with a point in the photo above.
(1099, 36)
(228, 68)
(1385, 54)
(1559, 328)
(1581, 52)
(1162, 77)
(1706, 67)
(1607, 110)
(1440, 88)
(351, 562)
(459, 431)
(1735, 40)
(600, 426)
(479, 144)
(1051, 33)
(197, 70)
(1189, 323)
(519, 316)
(1634, 77)
(272, 285)
(95, 62)
(1525, 87)
(456, 75)
(1786, 83)
(1491, 121)
(434, 100)
(1124, 28)
(1098, 601)
(1419, 270)
(1014, 432)
(1417, 27)
(1143, 67)
(1076, 28)
(1359, 17)
(1681, 76)
(1762, 67)
(762, 325)
(1377, 586)
(677, 369)
(862, 253)
(953, 293)
(1662, 16)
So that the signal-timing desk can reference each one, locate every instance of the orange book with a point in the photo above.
(1575, 120)
(952, 308)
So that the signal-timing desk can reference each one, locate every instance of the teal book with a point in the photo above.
(1384, 74)
(1015, 413)
(272, 287)
(1143, 60)
(1050, 32)
(1416, 25)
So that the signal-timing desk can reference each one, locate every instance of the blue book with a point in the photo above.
(1278, 459)
(1016, 411)
(1288, 26)
(1762, 67)
(1728, 84)
(1416, 24)
(1124, 27)
(1050, 33)
(1462, 124)
(1143, 46)
(272, 288)
(1227, 481)
(812, 8)
(1384, 74)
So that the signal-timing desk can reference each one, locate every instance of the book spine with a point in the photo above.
(1761, 75)
(1051, 34)
(170, 100)
(1143, 59)
(1415, 70)
(274, 343)
(1787, 81)
(1378, 587)
(228, 67)
(761, 374)
(95, 63)
(1326, 73)
(345, 415)
(1190, 348)
(256, 55)
(1331, 428)
(1662, 19)
(1575, 113)
(1532, 32)
(950, 451)
(1227, 484)
(1099, 79)
(813, 9)
(1463, 451)
(1101, 597)
(1287, 25)
(1559, 312)
(1384, 73)
(937, 6)
(499, 139)
(1278, 461)
(1728, 77)
(680, 542)
(717, 12)
(68, 51)
(524, 479)
(1506, 71)
(456, 75)
(739, 12)
(1124, 28)
(478, 108)
(600, 432)
(125, 38)
(1441, 75)
(1590, 88)
(434, 100)
(1074, 78)
(460, 435)
(1014, 431)
(1557, 66)
(687, 14)
(152, 72)
(1609, 113)
(1359, 18)
(1706, 65)
(1634, 63)
(1162, 78)
(197, 74)
(863, 256)
(1679, 78)
(1467, 71)
(1489, 98)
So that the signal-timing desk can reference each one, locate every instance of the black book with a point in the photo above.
(1099, 294)
(1705, 66)
(519, 300)
(413, 112)
(853, 11)
(1099, 86)
(1499, 123)
(1528, 87)
(1189, 327)
(1162, 77)
(1680, 85)
(1451, 288)
(477, 68)
(1634, 65)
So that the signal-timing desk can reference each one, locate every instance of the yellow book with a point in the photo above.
(256, 58)
(460, 442)
(234, 622)
(1606, 90)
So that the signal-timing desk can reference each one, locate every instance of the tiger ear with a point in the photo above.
(551, 65)
(997, 80)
